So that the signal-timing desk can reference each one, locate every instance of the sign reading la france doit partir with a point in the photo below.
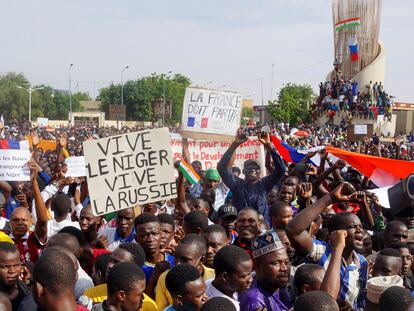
(130, 169)
(210, 114)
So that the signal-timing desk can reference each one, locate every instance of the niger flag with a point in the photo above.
(383, 172)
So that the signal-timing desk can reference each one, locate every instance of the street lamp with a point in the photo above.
(70, 95)
(122, 85)
(30, 91)
(163, 105)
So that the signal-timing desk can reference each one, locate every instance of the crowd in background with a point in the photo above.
(302, 237)
(349, 100)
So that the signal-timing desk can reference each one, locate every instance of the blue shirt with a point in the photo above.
(353, 276)
(148, 267)
(247, 195)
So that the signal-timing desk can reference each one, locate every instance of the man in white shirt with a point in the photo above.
(233, 268)
(123, 232)
(61, 207)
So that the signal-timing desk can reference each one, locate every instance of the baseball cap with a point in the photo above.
(250, 162)
(226, 211)
(212, 174)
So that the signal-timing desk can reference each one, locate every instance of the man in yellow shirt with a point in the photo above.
(191, 250)
(127, 252)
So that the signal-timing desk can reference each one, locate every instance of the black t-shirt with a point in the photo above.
(23, 292)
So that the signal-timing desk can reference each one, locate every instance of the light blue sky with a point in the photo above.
(230, 42)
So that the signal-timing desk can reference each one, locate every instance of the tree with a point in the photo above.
(292, 104)
(46, 102)
(141, 93)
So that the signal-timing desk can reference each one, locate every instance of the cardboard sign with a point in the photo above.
(76, 167)
(13, 165)
(129, 169)
(209, 153)
(42, 122)
(211, 115)
(357, 132)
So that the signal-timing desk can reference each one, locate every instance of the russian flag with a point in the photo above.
(382, 171)
(288, 153)
(14, 144)
(353, 48)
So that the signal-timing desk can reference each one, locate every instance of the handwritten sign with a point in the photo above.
(129, 169)
(76, 167)
(209, 153)
(13, 165)
(210, 114)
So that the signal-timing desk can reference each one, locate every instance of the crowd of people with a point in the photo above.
(300, 238)
(344, 97)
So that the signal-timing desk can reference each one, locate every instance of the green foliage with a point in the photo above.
(292, 104)
(14, 102)
(247, 112)
(140, 94)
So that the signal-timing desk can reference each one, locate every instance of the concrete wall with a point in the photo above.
(374, 72)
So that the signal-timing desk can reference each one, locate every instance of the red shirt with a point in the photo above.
(95, 253)
(81, 308)
(29, 246)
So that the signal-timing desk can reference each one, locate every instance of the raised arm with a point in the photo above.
(181, 202)
(297, 227)
(223, 165)
(185, 151)
(41, 211)
(331, 282)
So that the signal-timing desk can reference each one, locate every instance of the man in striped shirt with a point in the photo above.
(354, 267)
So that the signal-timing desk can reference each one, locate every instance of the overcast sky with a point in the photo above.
(229, 42)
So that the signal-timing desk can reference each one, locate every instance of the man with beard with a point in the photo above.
(269, 290)
(354, 267)
(253, 190)
(123, 232)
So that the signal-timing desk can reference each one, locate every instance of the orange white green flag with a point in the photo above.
(350, 22)
(189, 173)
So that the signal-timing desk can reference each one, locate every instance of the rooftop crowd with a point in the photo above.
(298, 238)
(349, 100)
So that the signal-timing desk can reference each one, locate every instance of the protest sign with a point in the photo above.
(13, 164)
(76, 167)
(211, 115)
(129, 169)
(42, 122)
(209, 153)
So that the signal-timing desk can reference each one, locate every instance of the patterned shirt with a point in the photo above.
(29, 246)
(353, 276)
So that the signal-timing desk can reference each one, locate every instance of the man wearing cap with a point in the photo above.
(269, 290)
(211, 180)
(251, 191)
(227, 216)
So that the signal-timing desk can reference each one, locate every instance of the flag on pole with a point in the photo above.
(189, 173)
(383, 172)
(353, 48)
(350, 22)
